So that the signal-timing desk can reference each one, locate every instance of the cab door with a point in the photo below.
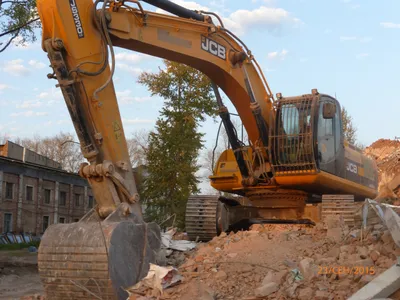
(328, 135)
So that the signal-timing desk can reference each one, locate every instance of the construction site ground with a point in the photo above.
(19, 275)
(266, 262)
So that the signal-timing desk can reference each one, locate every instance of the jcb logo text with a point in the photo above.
(213, 47)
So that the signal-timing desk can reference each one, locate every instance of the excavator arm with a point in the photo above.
(111, 246)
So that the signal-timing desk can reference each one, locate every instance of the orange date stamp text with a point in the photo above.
(343, 270)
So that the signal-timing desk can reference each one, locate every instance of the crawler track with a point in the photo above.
(201, 217)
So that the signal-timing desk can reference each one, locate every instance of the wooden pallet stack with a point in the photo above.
(339, 205)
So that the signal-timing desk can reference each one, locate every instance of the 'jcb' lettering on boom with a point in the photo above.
(77, 19)
(213, 47)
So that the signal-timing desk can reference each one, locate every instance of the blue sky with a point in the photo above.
(347, 47)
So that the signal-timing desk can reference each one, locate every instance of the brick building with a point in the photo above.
(35, 192)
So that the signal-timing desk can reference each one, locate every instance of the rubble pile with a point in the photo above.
(386, 153)
(328, 261)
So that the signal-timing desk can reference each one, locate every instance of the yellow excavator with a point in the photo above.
(296, 154)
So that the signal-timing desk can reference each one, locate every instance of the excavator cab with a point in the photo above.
(308, 135)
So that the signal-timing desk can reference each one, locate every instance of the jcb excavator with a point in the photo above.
(297, 151)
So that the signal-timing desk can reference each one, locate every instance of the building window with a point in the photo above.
(90, 203)
(47, 195)
(77, 199)
(7, 222)
(29, 193)
(76, 220)
(45, 222)
(63, 198)
(9, 190)
(62, 220)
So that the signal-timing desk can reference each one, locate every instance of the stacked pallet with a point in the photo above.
(339, 205)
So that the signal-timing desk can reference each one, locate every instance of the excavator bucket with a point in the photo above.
(94, 259)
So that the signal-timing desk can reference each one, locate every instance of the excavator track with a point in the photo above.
(201, 217)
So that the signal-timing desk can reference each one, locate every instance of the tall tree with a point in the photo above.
(174, 146)
(349, 129)
(18, 19)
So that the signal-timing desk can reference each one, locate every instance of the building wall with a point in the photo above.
(29, 207)
(27, 215)
(9, 205)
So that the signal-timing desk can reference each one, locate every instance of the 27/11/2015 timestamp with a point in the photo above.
(342, 270)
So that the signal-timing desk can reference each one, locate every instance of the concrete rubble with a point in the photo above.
(287, 262)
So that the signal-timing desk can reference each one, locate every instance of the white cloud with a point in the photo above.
(348, 38)
(36, 64)
(29, 113)
(50, 96)
(125, 97)
(362, 55)
(278, 55)
(366, 39)
(133, 70)
(240, 21)
(15, 67)
(268, 18)
(390, 25)
(136, 121)
(131, 57)
(29, 104)
(3, 86)
(63, 122)
(17, 43)
(43, 95)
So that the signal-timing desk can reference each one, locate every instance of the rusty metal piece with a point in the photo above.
(108, 168)
(98, 137)
(123, 165)
(97, 170)
(237, 57)
(126, 208)
(135, 198)
(93, 259)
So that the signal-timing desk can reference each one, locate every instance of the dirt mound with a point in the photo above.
(386, 153)
(283, 262)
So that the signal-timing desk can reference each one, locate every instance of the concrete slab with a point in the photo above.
(381, 287)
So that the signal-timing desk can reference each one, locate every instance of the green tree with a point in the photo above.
(174, 146)
(18, 19)
(349, 129)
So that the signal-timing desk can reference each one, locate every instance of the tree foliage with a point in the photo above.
(18, 21)
(174, 146)
(349, 129)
